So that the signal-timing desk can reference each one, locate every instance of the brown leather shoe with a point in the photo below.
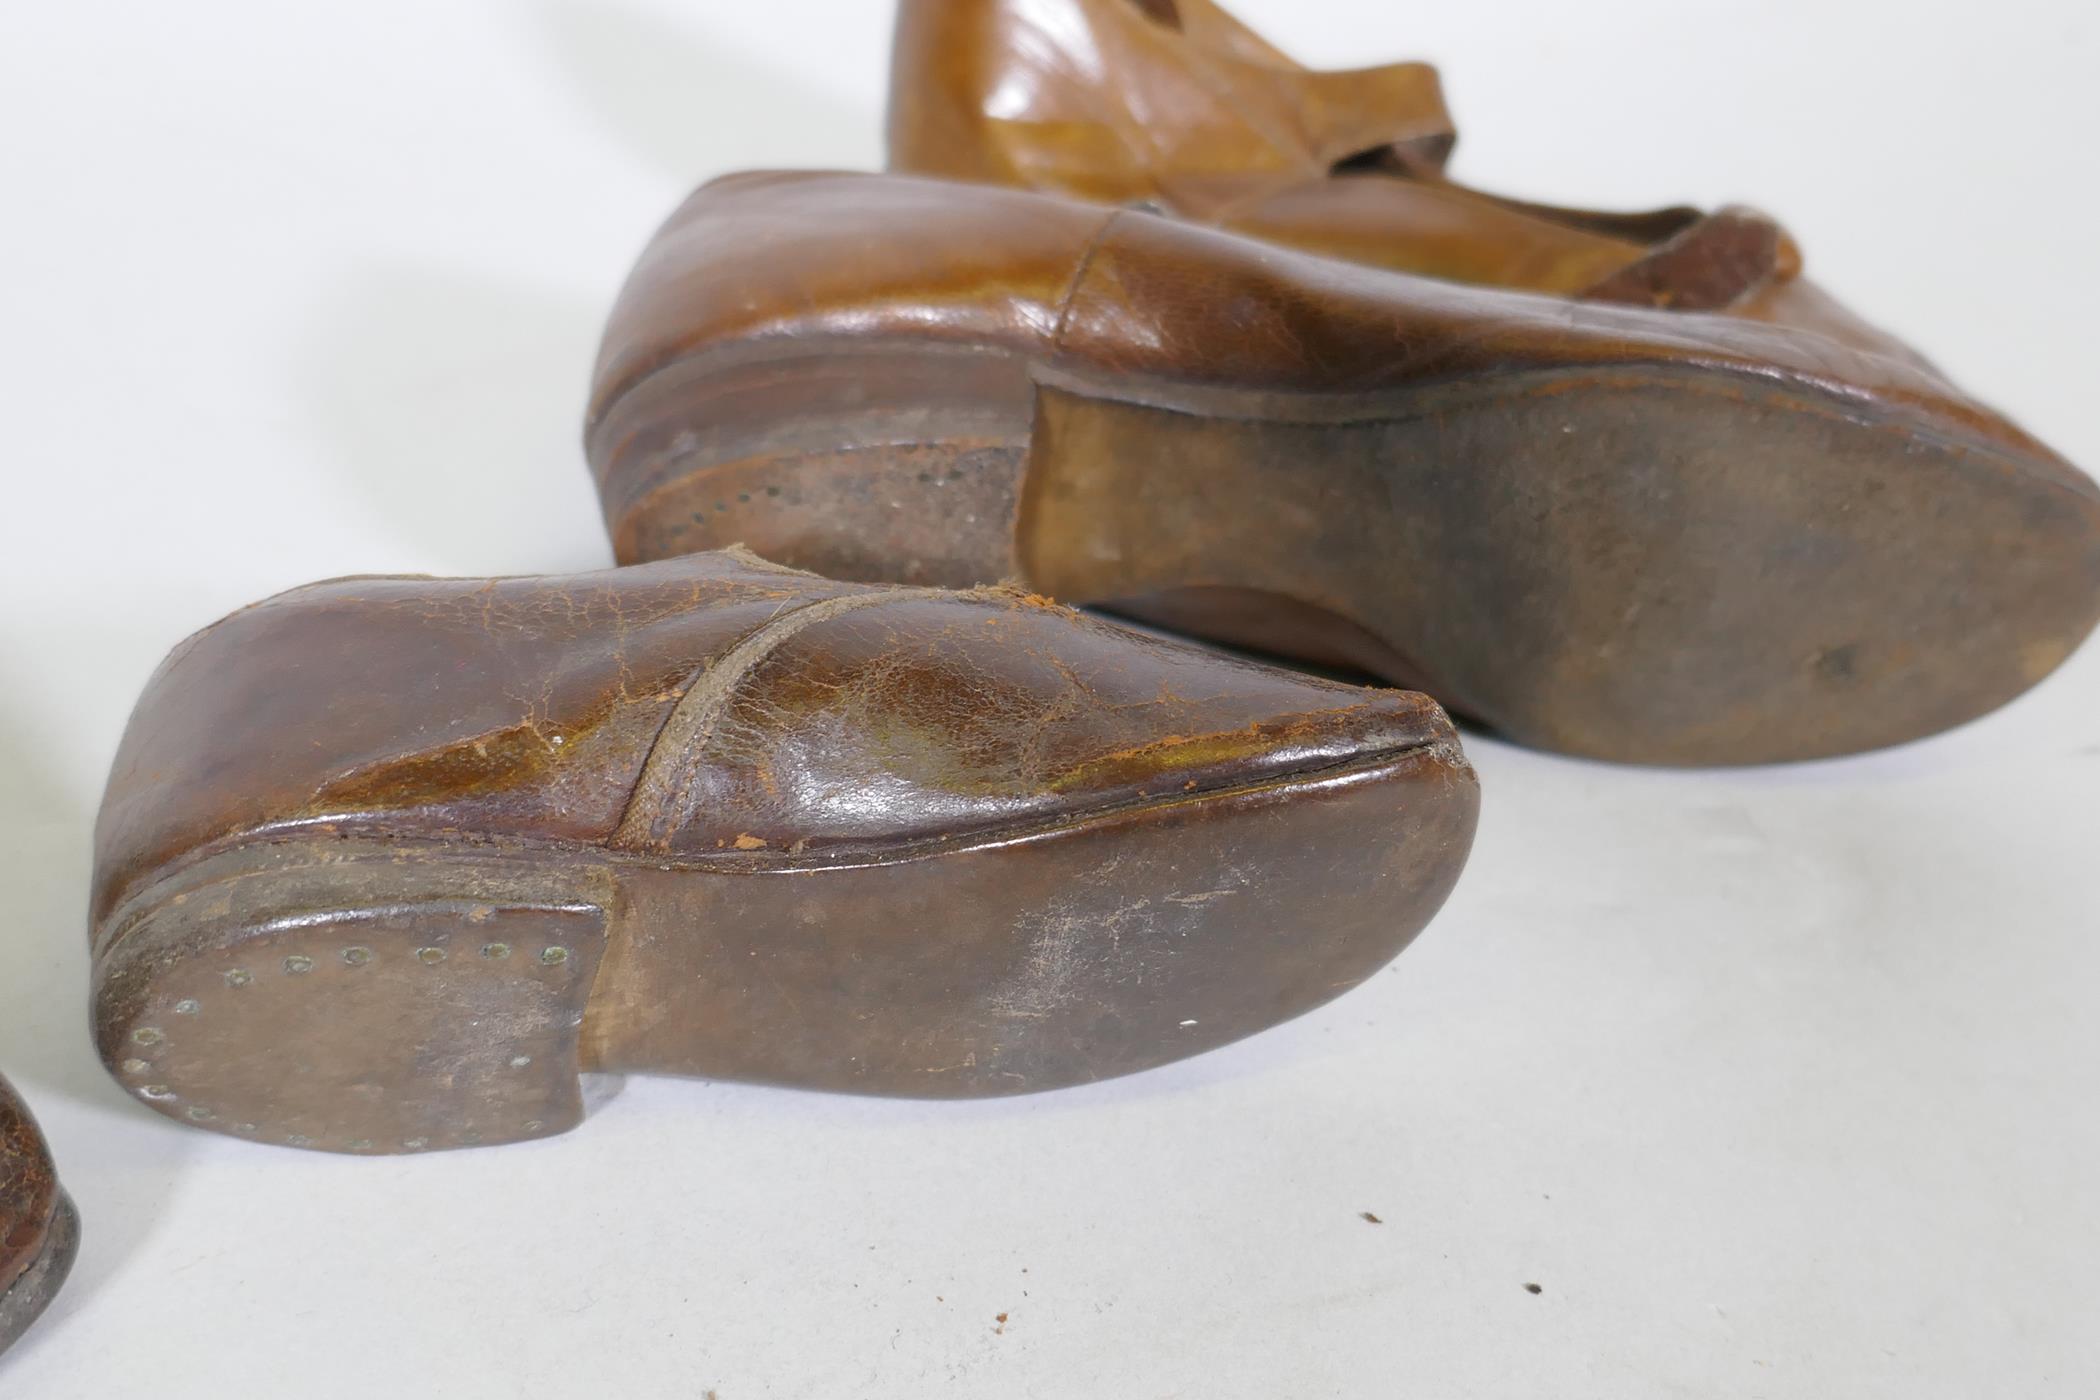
(39, 1229)
(1611, 531)
(385, 863)
(1176, 104)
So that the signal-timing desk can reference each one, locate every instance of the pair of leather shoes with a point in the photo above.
(386, 864)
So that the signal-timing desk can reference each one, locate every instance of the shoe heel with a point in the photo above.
(875, 468)
(377, 1004)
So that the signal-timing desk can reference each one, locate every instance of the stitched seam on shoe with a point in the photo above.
(659, 801)
(1070, 300)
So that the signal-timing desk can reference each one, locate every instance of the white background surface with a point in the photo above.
(1780, 1084)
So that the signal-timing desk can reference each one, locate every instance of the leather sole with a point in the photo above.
(1653, 565)
(398, 995)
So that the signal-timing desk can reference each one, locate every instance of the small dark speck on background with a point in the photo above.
(1372, 1218)
(1533, 1289)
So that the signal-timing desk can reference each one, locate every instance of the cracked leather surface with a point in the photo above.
(835, 714)
(936, 716)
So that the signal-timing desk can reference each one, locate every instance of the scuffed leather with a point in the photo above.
(1176, 103)
(544, 709)
(28, 1189)
(502, 705)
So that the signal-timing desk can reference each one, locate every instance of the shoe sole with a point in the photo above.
(1653, 565)
(395, 995)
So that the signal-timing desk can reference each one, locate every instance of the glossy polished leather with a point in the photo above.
(38, 1234)
(778, 263)
(846, 766)
(1640, 534)
(1176, 104)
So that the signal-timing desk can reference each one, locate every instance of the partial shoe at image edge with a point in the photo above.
(39, 1225)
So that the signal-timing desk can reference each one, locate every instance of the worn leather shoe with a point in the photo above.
(1606, 530)
(385, 863)
(1177, 105)
(39, 1228)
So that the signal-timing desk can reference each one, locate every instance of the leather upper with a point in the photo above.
(775, 263)
(28, 1189)
(710, 704)
(1121, 100)
(1175, 102)
(944, 714)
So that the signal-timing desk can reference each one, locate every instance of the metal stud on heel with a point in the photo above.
(410, 1025)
